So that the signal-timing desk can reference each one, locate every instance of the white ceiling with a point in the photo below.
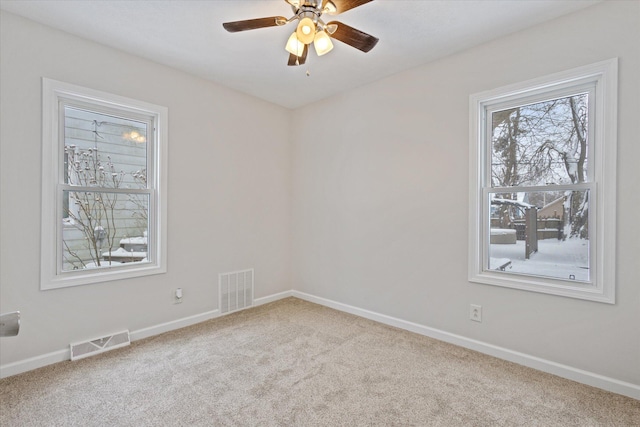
(188, 35)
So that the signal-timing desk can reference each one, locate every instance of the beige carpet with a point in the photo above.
(293, 363)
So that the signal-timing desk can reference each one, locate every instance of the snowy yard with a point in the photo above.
(568, 260)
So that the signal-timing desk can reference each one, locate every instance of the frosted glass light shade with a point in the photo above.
(294, 46)
(322, 43)
(306, 30)
(329, 7)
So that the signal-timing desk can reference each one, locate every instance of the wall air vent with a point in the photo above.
(99, 345)
(235, 290)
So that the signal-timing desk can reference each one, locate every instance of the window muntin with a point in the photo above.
(104, 178)
(549, 138)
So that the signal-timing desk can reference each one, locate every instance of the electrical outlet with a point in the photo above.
(475, 312)
(178, 296)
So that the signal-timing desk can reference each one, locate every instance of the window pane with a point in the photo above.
(540, 144)
(104, 228)
(103, 150)
(541, 233)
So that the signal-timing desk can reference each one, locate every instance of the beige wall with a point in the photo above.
(228, 194)
(380, 204)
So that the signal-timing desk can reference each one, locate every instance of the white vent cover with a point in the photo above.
(99, 345)
(235, 290)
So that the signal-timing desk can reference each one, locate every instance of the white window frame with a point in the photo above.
(602, 76)
(54, 95)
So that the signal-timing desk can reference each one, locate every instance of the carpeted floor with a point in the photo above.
(294, 363)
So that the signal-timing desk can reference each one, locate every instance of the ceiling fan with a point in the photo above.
(311, 28)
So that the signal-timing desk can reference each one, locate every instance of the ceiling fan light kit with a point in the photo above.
(322, 43)
(294, 45)
(306, 30)
(311, 28)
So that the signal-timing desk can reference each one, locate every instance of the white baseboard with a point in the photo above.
(172, 325)
(192, 320)
(36, 362)
(564, 371)
(272, 298)
(32, 363)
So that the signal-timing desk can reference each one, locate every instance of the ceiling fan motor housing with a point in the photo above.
(310, 8)
(314, 4)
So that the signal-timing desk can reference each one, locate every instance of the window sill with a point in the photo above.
(106, 274)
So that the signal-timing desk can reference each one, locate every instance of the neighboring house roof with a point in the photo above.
(553, 209)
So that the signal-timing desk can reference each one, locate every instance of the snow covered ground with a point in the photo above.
(568, 260)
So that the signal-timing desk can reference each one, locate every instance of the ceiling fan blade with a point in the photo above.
(252, 24)
(353, 37)
(343, 5)
(299, 60)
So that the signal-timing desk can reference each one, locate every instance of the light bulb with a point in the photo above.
(294, 46)
(322, 43)
(306, 30)
(330, 8)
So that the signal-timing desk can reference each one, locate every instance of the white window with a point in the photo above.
(542, 184)
(103, 187)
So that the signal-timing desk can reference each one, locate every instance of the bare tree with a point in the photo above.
(545, 143)
(140, 203)
(92, 212)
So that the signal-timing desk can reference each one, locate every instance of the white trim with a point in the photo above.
(602, 220)
(32, 363)
(51, 227)
(173, 325)
(564, 371)
(585, 377)
(272, 298)
(35, 362)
